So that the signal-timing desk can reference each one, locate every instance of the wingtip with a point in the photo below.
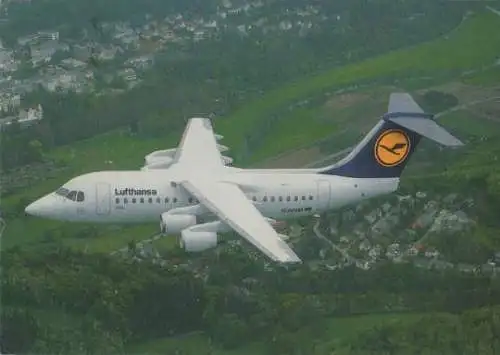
(287, 258)
(292, 259)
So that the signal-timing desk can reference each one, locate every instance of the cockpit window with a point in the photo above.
(80, 196)
(62, 191)
(72, 196)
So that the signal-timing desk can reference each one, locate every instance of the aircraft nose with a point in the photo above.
(33, 209)
(39, 207)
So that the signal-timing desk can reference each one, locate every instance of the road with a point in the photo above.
(359, 263)
(495, 11)
(466, 105)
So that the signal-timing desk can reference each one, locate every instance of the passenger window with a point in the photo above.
(280, 199)
(174, 200)
(167, 199)
(264, 199)
(134, 200)
(296, 198)
(80, 196)
(310, 198)
(272, 198)
(117, 200)
(125, 200)
(303, 198)
(158, 200)
(142, 200)
(72, 196)
(288, 198)
(150, 200)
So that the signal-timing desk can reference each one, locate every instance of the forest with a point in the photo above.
(66, 302)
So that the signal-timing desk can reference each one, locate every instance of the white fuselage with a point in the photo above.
(142, 196)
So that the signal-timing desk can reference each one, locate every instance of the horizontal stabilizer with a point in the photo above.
(426, 128)
(405, 112)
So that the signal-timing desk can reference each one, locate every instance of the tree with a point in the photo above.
(19, 330)
(230, 331)
(437, 101)
(132, 247)
(35, 150)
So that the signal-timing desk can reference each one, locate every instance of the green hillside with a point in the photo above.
(79, 300)
(459, 51)
(117, 150)
(338, 331)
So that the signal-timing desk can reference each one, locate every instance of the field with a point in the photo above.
(117, 150)
(460, 51)
(467, 122)
(338, 331)
(488, 77)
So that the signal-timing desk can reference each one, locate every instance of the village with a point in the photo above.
(113, 56)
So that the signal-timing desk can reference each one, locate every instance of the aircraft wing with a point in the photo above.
(198, 145)
(233, 208)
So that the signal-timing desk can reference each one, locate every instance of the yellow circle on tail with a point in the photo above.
(392, 147)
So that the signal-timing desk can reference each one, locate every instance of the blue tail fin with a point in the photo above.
(386, 149)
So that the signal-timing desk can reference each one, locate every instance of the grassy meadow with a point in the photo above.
(460, 51)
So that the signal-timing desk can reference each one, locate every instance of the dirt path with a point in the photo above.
(484, 115)
(495, 11)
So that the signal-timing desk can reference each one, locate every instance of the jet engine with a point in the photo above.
(175, 223)
(160, 155)
(197, 241)
(159, 159)
(161, 164)
(162, 159)
(227, 161)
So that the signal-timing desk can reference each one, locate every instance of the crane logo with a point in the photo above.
(392, 148)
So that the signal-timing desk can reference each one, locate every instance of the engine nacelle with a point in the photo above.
(175, 223)
(216, 227)
(162, 159)
(227, 160)
(159, 164)
(197, 241)
(222, 148)
(159, 156)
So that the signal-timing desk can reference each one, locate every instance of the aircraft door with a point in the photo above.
(103, 198)
(323, 195)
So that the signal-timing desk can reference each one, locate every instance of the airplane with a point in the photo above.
(196, 192)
